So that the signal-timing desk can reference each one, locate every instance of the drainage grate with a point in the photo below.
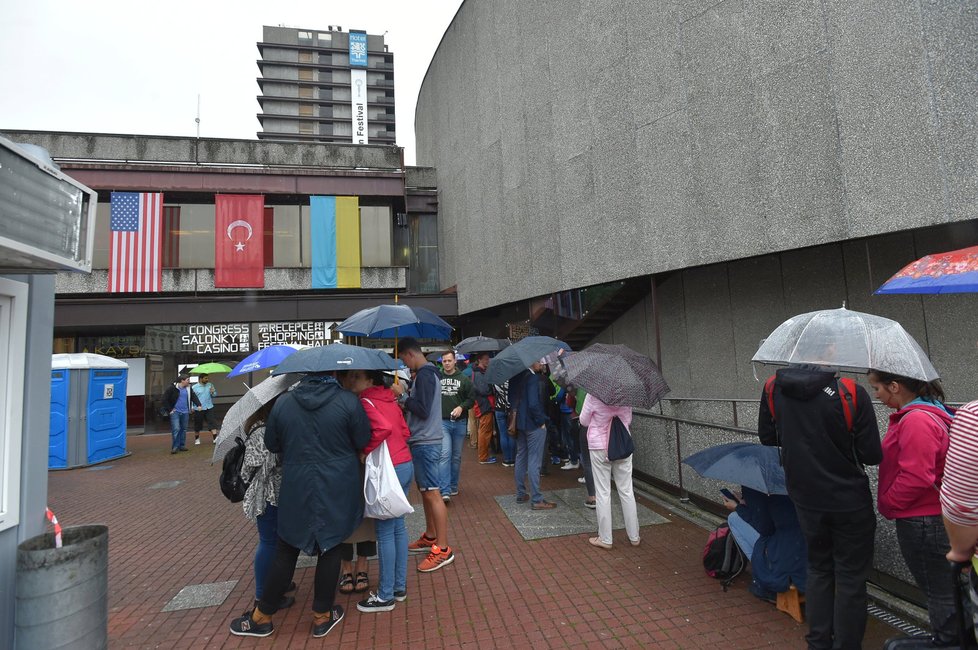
(893, 620)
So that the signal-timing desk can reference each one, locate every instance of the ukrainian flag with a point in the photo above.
(335, 226)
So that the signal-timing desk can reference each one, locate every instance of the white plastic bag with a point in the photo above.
(382, 491)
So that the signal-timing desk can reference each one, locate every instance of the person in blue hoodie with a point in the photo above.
(765, 527)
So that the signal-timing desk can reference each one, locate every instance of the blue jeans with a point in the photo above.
(507, 443)
(453, 439)
(529, 455)
(178, 429)
(392, 544)
(923, 543)
(267, 539)
(743, 533)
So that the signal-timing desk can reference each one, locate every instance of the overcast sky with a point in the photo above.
(111, 66)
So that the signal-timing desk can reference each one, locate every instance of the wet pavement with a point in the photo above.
(180, 568)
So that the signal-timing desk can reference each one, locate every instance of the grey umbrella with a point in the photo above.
(520, 356)
(249, 404)
(481, 344)
(615, 374)
(840, 339)
(337, 356)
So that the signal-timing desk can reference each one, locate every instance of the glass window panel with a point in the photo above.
(306, 92)
(100, 248)
(424, 258)
(306, 75)
(375, 236)
(305, 57)
(287, 236)
(195, 237)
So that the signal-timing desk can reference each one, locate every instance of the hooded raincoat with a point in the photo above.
(320, 430)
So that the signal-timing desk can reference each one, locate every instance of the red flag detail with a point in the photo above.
(239, 242)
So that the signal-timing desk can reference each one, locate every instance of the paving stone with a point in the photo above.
(206, 595)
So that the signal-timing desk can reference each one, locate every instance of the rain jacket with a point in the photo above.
(780, 554)
(597, 416)
(525, 389)
(914, 451)
(482, 390)
(319, 429)
(816, 446)
(386, 423)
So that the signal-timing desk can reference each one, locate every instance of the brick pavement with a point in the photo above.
(502, 591)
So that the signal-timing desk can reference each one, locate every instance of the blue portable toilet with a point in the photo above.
(88, 410)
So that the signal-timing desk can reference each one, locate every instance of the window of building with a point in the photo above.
(305, 37)
(306, 129)
(13, 331)
(305, 92)
(305, 110)
(305, 57)
(375, 235)
(306, 75)
(423, 271)
(325, 38)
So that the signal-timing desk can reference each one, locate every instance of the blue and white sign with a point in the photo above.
(358, 49)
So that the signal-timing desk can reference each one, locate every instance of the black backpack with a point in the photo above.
(722, 558)
(232, 485)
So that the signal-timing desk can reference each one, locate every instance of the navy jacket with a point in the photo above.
(319, 429)
(780, 554)
(530, 413)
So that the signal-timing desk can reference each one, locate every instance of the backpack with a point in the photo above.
(232, 485)
(722, 558)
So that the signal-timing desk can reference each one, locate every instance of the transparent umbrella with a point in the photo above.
(841, 339)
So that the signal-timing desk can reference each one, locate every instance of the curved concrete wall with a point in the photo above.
(585, 141)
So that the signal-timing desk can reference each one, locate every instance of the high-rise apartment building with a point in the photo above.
(325, 86)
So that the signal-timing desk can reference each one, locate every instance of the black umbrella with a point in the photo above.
(481, 344)
(615, 374)
(520, 356)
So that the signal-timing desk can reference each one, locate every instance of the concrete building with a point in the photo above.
(193, 319)
(325, 86)
(682, 178)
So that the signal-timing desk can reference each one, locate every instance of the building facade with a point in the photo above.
(387, 235)
(325, 86)
(689, 176)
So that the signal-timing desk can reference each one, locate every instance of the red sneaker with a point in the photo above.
(423, 545)
(437, 559)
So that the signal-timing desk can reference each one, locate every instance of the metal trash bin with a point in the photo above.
(62, 593)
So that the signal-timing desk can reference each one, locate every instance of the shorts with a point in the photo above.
(427, 464)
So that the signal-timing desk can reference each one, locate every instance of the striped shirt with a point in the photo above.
(959, 493)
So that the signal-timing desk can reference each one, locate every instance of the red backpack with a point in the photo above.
(847, 393)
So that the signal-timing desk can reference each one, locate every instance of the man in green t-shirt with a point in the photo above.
(457, 397)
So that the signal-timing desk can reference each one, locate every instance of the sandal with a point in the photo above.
(346, 583)
(363, 582)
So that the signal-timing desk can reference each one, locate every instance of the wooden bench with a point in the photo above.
(790, 602)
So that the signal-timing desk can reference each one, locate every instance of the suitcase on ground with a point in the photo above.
(965, 629)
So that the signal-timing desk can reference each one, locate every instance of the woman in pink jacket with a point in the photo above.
(910, 477)
(597, 416)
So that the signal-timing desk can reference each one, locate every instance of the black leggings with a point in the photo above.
(282, 569)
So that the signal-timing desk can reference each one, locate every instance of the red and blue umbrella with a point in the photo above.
(952, 272)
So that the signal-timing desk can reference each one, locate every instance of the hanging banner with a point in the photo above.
(358, 104)
(239, 238)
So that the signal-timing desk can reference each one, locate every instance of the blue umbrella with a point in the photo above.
(521, 355)
(337, 356)
(393, 321)
(744, 463)
(265, 358)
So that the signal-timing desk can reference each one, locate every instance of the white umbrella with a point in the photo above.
(841, 339)
(249, 404)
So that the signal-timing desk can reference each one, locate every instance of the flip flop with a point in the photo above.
(363, 582)
(346, 583)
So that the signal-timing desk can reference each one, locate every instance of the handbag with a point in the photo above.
(382, 493)
(620, 444)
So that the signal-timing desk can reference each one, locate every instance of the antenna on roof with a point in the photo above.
(197, 119)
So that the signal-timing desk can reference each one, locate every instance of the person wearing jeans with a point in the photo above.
(531, 436)
(507, 443)
(457, 397)
(179, 400)
(392, 550)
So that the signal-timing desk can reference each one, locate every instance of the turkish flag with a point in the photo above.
(239, 241)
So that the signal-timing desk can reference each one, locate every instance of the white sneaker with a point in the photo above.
(582, 480)
(197, 441)
(570, 465)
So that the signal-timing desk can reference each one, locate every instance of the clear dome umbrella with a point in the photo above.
(841, 339)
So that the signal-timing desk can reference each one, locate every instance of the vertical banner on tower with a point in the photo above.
(358, 105)
(335, 227)
(239, 241)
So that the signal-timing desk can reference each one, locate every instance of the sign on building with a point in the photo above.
(297, 333)
(358, 105)
(358, 49)
(230, 338)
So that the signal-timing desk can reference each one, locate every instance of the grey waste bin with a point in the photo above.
(62, 593)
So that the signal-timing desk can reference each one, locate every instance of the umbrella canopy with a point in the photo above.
(745, 463)
(951, 272)
(265, 358)
(520, 356)
(481, 344)
(393, 321)
(846, 340)
(210, 369)
(615, 374)
(257, 396)
(337, 356)
(435, 357)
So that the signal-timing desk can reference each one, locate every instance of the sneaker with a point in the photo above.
(590, 504)
(400, 596)
(570, 465)
(522, 498)
(436, 560)
(488, 461)
(556, 460)
(423, 545)
(173, 451)
(184, 449)
(197, 441)
(453, 492)
(446, 498)
(214, 440)
(246, 626)
(322, 629)
(543, 505)
(507, 463)
(375, 604)
(582, 480)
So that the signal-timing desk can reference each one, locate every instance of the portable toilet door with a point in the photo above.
(58, 444)
(106, 414)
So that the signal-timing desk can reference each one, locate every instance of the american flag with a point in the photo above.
(135, 254)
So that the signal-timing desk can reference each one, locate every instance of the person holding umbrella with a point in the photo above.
(204, 415)
(531, 434)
